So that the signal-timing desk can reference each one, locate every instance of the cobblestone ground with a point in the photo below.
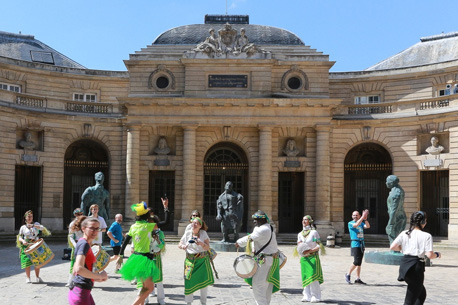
(382, 286)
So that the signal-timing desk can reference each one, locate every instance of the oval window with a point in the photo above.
(294, 83)
(162, 82)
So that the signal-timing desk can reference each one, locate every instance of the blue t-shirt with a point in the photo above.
(356, 234)
(116, 230)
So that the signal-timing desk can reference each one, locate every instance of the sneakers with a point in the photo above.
(347, 278)
(314, 300)
(39, 280)
(28, 281)
(358, 281)
(304, 299)
(161, 302)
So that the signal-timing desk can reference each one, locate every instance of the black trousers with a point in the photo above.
(416, 292)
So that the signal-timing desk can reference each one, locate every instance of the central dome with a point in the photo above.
(257, 34)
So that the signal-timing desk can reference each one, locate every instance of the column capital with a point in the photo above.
(266, 127)
(322, 127)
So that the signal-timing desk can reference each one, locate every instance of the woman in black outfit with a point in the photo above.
(414, 244)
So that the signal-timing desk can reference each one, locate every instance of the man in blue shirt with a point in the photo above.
(115, 235)
(356, 228)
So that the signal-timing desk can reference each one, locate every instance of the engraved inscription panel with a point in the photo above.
(227, 81)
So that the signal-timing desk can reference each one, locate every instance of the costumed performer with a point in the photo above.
(198, 274)
(309, 243)
(74, 234)
(83, 281)
(28, 234)
(140, 265)
(266, 280)
(414, 244)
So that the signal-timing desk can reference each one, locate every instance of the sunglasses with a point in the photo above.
(94, 229)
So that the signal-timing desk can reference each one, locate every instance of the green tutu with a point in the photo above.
(140, 268)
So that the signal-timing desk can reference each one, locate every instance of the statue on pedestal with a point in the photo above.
(395, 202)
(97, 194)
(435, 148)
(229, 207)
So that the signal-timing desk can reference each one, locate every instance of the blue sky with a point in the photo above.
(100, 34)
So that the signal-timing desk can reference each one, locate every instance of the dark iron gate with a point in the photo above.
(290, 201)
(162, 183)
(224, 163)
(27, 193)
(435, 200)
(365, 171)
(83, 159)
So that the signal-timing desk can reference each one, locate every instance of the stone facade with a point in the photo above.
(255, 104)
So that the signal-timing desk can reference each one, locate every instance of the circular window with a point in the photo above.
(162, 82)
(294, 83)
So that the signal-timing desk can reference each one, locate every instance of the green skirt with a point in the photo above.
(139, 267)
(25, 260)
(201, 275)
(273, 277)
(311, 270)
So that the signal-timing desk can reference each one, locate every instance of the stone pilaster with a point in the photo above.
(189, 173)
(323, 181)
(265, 170)
(132, 168)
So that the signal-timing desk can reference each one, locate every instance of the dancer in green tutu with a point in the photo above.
(140, 265)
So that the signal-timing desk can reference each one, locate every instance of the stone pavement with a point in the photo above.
(383, 288)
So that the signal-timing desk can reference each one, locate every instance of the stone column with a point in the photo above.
(323, 182)
(265, 170)
(132, 169)
(188, 201)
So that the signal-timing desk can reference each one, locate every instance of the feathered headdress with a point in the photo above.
(140, 208)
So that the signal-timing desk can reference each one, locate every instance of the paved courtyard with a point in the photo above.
(382, 286)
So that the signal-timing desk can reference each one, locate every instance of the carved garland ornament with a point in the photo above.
(297, 73)
(161, 79)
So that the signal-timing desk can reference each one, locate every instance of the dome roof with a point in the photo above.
(27, 48)
(257, 34)
(430, 50)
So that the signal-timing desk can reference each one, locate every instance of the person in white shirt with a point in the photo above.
(266, 280)
(414, 244)
(103, 225)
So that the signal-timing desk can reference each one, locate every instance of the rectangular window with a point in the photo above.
(81, 97)
(370, 99)
(10, 87)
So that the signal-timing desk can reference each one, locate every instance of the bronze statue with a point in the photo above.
(229, 207)
(395, 202)
(97, 194)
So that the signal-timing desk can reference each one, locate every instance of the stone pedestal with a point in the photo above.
(225, 247)
(383, 257)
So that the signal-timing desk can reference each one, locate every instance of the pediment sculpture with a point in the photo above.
(227, 44)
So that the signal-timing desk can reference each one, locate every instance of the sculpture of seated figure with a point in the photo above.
(290, 149)
(27, 143)
(210, 45)
(242, 45)
(435, 148)
(162, 147)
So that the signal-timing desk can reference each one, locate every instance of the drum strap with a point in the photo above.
(263, 247)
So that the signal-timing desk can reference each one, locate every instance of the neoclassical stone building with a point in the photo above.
(227, 100)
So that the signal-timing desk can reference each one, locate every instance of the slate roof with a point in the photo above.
(430, 50)
(257, 34)
(27, 48)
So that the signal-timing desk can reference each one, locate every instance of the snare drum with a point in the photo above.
(282, 259)
(245, 266)
(102, 258)
(39, 253)
(301, 248)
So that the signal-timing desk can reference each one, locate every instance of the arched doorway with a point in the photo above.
(83, 159)
(366, 168)
(224, 162)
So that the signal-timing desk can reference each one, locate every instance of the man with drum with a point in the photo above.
(266, 280)
(356, 228)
